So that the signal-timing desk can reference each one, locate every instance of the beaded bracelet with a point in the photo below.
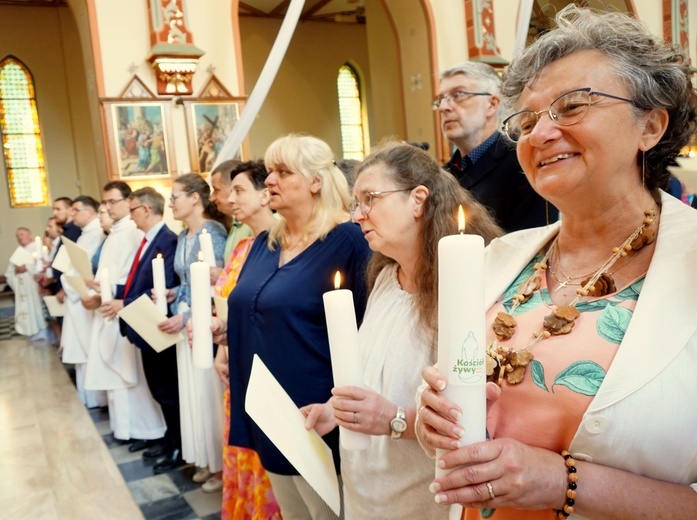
(571, 494)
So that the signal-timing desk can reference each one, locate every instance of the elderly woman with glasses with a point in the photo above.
(592, 322)
(405, 203)
(276, 311)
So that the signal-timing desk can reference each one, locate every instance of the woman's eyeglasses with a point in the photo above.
(568, 109)
(365, 201)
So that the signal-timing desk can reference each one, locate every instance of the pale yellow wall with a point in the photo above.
(303, 97)
(41, 37)
(449, 20)
(386, 91)
(410, 20)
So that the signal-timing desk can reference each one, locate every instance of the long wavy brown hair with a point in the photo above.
(408, 167)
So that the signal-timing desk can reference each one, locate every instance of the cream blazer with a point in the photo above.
(644, 417)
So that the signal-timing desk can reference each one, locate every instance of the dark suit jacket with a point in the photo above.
(497, 181)
(164, 243)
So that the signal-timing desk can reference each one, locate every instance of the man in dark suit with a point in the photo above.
(484, 162)
(147, 208)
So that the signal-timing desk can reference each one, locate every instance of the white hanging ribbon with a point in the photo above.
(261, 89)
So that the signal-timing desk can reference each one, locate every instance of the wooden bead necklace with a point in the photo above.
(502, 361)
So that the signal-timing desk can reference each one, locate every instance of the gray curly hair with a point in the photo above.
(655, 73)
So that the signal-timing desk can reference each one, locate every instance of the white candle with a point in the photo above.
(461, 330)
(158, 283)
(347, 364)
(38, 263)
(206, 243)
(105, 287)
(202, 348)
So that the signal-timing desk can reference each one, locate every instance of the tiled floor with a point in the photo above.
(168, 496)
(54, 463)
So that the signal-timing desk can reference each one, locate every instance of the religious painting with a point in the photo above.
(209, 126)
(139, 140)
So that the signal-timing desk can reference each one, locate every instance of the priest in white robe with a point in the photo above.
(114, 363)
(77, 322)
(29, 316)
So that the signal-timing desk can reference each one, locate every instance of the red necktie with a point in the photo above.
(134, 267)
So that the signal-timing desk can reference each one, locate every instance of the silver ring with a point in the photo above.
(355, 418)
(491, 490)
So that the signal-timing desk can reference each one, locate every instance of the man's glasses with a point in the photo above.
(455, 98)
(568, 109)
(111, 202)
(135, 208)
(365, 202)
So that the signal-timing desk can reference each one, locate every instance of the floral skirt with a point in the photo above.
(247, 493)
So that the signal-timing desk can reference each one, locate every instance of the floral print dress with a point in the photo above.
(546, 408)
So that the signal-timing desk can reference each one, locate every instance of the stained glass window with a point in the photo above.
(21, 136)
(350, 114)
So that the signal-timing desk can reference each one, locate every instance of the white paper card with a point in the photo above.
(142, 315)
(220, 307)
(55, 308)
(275, 413)
(21, 257)
(78, 284)
(62, 261)
(79, 258)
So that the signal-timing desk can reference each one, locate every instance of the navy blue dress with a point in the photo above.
(278, 313)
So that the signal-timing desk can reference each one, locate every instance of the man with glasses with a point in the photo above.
(484, 162)
(113, 363)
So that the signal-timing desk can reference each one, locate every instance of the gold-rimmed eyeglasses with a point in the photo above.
(456, 97)
(566, 110)
(365, 201)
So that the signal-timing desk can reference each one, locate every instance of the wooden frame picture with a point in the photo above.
(139, 140)
(209, 124)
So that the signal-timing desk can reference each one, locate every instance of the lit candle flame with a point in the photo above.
(204, 230)
(337, 280)
(461, 220)
(37, 239)
(159, 255)
(200, 255)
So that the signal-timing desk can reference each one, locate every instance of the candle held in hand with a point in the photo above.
(461, 329)
(158, 283)
(202, 348)
(347, 363)
(206, 243)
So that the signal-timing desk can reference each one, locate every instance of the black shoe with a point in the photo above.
(156, 451)
(171, 461)
(141, 444)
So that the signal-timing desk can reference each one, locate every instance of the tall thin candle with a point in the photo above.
(158, 283)
(206, 243)
(202, 348)
(347, 364)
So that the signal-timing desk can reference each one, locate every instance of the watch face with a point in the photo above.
(398, 425)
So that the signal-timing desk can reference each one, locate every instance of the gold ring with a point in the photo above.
(355, 418)
(491, 490)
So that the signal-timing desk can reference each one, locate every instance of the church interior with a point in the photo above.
(97, 75)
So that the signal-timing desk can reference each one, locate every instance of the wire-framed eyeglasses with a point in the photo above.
(456, 97)
(365, 201)
(568, 109)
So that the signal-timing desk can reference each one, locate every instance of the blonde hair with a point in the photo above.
(313, 159)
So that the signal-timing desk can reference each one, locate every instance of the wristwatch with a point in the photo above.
(399, 423)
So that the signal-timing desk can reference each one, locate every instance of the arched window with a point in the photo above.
(21, 136)
(351, 114)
